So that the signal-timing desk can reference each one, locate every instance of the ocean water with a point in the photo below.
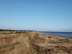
(66, 34)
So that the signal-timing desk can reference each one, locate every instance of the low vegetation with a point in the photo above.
(33, 42)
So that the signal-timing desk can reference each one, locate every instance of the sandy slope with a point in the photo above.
(34, 43)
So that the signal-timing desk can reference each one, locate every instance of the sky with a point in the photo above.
(40, 15)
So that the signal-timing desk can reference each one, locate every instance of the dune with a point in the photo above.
(33, 42)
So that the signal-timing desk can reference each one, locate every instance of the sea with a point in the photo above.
(65, 34)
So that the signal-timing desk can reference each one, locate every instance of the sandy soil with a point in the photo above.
(33, 42)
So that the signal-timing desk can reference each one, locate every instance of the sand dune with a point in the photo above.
(33, 42)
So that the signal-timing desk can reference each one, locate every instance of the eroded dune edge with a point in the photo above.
(33, 42)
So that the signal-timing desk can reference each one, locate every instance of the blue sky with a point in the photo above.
(44, 15)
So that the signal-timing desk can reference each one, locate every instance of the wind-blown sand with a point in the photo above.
(33, 42)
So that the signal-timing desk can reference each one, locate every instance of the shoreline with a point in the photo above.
(58, 34)
(33, 42)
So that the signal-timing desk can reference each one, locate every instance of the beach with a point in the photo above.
(33, 42)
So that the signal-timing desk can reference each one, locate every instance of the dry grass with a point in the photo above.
(32, 42)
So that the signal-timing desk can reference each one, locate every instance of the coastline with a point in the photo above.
(33, 42)
(59, 35)
(65, 34)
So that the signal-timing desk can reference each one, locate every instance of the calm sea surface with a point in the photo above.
(66, 34)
